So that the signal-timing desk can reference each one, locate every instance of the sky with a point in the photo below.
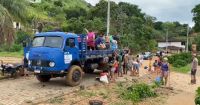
(164, 10)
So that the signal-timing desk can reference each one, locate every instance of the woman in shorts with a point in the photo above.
(165, 70)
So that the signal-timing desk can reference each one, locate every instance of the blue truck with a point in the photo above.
(59, 54)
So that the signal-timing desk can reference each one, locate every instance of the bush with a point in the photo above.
(197, 99)
(21, 36)
(179, 60)
(138, 92)
(179, 63)
(198, 59)
(15, 48)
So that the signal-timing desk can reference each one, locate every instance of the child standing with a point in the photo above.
(114, 68)
(150, 65)
(120, 68)
(156, 67)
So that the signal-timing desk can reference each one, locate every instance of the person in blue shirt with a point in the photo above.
(100, 42)
(165, 70)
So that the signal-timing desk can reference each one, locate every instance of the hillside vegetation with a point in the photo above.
(136, 29)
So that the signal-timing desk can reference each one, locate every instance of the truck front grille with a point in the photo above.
(42, 63)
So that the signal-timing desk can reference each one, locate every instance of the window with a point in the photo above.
(70, 42)
(182, 43)
(38, 41)
(55, 42)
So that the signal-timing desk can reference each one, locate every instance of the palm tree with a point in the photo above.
(10, 10)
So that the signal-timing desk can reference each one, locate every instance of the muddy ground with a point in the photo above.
(27, 90)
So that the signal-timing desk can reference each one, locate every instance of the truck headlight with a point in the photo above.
(52, 64)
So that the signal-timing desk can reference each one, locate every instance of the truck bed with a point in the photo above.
(87, 54)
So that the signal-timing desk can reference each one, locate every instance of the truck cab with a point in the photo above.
(55, 54)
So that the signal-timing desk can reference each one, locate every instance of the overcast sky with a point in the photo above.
(164, 10)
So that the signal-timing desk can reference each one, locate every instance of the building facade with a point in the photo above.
(35, 1)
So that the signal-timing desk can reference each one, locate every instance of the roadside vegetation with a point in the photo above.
(181, 62)
(127, 92)
(18, 54)
(197, 99)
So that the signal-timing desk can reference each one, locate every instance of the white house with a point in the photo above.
(172, 45)
(35, 1)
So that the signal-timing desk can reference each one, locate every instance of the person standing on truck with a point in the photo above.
(90, 39)
(100, 42)
(194, 69)
(107, 39)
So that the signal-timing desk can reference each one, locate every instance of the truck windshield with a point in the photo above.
(55, 42)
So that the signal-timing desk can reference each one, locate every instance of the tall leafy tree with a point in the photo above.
(10, 10)
(196, 17)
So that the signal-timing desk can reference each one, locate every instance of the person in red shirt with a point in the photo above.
(90, 39)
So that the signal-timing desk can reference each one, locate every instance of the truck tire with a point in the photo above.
(74, 76)
(43, 78)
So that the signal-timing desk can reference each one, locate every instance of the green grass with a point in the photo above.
(12, 54)
(184, 69)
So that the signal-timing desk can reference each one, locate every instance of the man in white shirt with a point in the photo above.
(194, 69)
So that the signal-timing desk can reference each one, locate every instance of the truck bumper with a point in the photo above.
(40, 70)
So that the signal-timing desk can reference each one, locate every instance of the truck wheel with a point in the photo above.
(43, 78)
(74, 76)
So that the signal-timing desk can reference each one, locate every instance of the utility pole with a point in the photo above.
(108, 19)
(167, 40)
(188, 29)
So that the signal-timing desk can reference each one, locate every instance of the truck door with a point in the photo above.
(71, 52)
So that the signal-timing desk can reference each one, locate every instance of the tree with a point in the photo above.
(10, 10)
(196, 17)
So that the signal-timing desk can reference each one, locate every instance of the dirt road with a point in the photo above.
(186, 95)
(26, 90)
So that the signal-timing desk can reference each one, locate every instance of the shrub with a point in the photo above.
(21, 36)
(138, 92)
(15, 48)
(179, 63)
(197, 99)
(198, 59)
(181, 59)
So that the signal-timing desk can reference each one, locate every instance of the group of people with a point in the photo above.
(101, 42)
(161, 67)
(122, 63)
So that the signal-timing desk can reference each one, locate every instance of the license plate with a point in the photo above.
(37, 71)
